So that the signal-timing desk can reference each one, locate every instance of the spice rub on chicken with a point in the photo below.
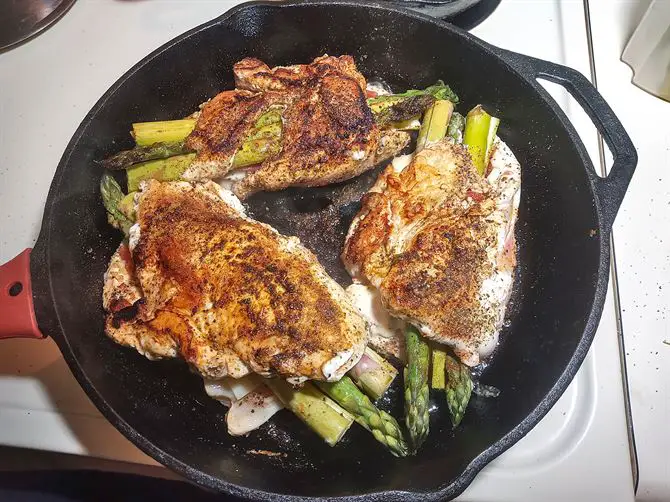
(226, 293)
(328, 132)
(437, 240)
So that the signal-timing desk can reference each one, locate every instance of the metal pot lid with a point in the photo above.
(23, 19)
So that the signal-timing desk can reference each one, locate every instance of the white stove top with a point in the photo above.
(578, 452)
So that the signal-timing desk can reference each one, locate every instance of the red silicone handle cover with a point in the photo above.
(17, 315)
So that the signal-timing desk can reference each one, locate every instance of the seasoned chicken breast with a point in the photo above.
(122, 291)
(437, 240)
(328, 132)
(233, 294)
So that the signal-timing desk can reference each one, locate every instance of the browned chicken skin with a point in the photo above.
(232, 294)
(437, 240)
(329, 134)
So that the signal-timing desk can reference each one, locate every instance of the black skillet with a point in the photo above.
(565, 218)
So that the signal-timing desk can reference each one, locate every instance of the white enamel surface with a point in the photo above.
(578, 452)
(642, 243)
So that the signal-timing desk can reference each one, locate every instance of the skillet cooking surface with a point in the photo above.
(162, 407)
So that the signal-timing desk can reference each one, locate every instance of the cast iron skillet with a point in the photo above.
(565, 218)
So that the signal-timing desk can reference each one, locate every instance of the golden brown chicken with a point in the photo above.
(437, 241)
(231, 294)
(328, 133)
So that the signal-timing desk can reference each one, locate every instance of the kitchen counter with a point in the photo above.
(50, 83)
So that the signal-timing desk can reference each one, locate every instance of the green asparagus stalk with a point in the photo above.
(416, 387)
(434, 124)
(440, 91)
(413, 124)
(438, 370)
(168, 131)
(405, 109)
(263, 142)
(167, 161)
(373, 374)
(127, 158)
(323, 415)
(455, 127)
(272, 116)
(383, 426)
(480, 131)
(458, 389)
(111, 197)
(490, 138)
(169, 169)
(127, 206)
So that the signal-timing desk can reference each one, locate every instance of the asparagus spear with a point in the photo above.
(416, 387)
(273, 115)
(111, 197)
(383, 426)
(373, 374)
(458, 389)
(434, 124)
(148, 133)
(480, 131)
(263, 142)
(490, 138)
(455, 127)
(406, 109)
(127, 206)
(126, 158)
(439, 91)
(438, 372)
(162, 169)
(323, 415)
(413, 124)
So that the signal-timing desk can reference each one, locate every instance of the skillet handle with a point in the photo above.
(609, 191)
(17, 312)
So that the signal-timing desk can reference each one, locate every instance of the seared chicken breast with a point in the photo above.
(437, 241)
(121, 291)
(328, 132)
(232, 294)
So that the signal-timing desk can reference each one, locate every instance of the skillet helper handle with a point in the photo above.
(17, 313)
(610, 190)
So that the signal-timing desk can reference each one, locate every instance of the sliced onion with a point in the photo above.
(219, 390)
(252, 411)
(364, 364)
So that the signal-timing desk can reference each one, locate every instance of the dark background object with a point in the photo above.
(98, 486)
(20, 20)
(465, 14)
(23, 19)
(565, 217)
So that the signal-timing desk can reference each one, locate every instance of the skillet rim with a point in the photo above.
(41, 258)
